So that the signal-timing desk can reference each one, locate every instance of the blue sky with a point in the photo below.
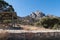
(25, 7)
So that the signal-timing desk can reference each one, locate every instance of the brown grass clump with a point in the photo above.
(4, 35)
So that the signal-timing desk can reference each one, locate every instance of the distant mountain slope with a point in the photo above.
(40, 19)
(32, 18)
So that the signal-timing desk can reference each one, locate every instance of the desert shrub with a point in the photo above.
(37, 24)
(49, 22)
(7, 21)
(56, 26)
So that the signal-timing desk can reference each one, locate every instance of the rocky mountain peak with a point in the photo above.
(33, 15)
(37, 14)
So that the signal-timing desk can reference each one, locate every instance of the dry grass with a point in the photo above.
(28, 27)
(4, 35)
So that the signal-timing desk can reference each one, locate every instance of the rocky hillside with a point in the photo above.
(7, 12)
(32, 18)
(7, 15)
(40, 19)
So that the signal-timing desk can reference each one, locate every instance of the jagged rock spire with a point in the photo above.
(37, 14)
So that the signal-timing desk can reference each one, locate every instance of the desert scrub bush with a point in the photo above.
(7, 21)
(56, 26)
(37, 24)
(48, 22)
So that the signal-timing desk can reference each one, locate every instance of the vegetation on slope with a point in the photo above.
(49, 22)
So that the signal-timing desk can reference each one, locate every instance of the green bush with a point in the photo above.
(37, 24)
(7, 21)
(56, 26)
(49, 22)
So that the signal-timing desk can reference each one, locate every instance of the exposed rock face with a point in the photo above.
(37, 15)
(33, 15)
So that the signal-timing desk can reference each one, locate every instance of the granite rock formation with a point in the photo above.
(37, 15)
